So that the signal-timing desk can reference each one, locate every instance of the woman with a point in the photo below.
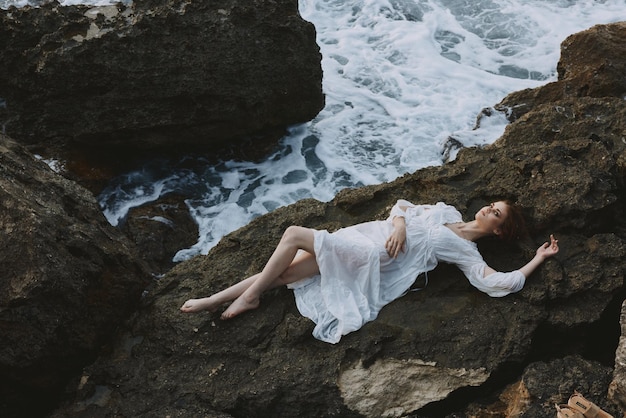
(342, 280)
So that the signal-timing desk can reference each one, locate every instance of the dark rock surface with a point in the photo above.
(448, 350)
(68, 279)
(170, 74)
(591, 65)
(544, 384)
(160, 229)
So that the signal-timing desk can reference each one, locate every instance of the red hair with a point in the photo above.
(514, 226)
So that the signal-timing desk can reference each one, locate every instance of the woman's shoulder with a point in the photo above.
(445, 207)
(440, 212)
(446, 213)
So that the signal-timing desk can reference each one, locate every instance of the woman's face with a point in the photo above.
(492, 217)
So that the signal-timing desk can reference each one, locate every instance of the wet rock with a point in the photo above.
(68, 280)
(160, 230)
(590, 65)
(167, 74)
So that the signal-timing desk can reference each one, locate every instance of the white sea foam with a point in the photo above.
(400, 78)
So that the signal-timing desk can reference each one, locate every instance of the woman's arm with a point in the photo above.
(395, 242)
(547, 249)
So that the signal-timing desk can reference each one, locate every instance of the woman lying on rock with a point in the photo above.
(342, 280)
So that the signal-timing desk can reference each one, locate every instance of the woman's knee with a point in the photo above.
(298, 238)
(293, 234)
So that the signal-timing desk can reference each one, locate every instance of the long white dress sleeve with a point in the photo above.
(357, 276)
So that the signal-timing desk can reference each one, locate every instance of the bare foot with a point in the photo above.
(198, 305)
(240, 305)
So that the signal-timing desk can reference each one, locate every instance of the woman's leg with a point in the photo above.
(216, 300)
(279, 269)
(303, 265)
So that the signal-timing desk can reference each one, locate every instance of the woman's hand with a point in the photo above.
(548, 249)
(395, 243)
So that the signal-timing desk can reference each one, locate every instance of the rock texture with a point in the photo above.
(617, 390)
(68, 280)
(158, 74)
(591, 65)
(160, 229)
(543, 384)
(563, 159)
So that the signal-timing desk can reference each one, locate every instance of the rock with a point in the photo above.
(565, 170)
(169, 74)
(590, 65)
(68, 280)
(617, 390)
(393, 388)
(160, 229)
(544, 384)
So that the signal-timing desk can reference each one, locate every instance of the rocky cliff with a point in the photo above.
(68, 280)
(169, 74)
(447, 350)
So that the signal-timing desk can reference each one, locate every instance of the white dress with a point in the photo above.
(357, 276)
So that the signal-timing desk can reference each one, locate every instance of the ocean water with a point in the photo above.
(401, 77)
